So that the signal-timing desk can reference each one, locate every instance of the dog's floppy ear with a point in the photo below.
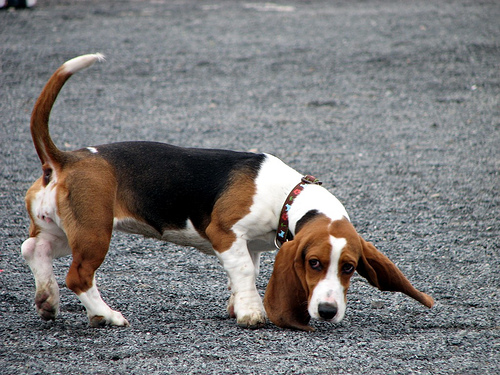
(383, 274)
(286, 294)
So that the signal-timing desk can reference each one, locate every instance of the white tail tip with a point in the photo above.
(82, 62)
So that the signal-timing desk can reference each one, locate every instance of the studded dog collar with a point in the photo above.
(282, 233)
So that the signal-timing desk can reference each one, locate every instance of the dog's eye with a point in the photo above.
(347, 268)
(315, 264)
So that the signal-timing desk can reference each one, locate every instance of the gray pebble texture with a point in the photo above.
(394, 105)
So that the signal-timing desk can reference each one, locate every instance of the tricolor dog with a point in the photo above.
(226, 203)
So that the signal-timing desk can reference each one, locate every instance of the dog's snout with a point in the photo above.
(327, 310)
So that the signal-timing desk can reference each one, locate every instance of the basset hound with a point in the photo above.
(222, 202)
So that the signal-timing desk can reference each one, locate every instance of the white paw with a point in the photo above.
(251, 319)
(115, 318)
(249, 315)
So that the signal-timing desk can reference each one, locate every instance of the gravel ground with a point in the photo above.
(394, 105)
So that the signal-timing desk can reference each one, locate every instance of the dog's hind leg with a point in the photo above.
(39, 252)
(47, 241)
(88, 222)
(89, 251)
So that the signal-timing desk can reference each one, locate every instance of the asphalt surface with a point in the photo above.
(394, 105)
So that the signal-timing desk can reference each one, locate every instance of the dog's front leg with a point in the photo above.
(245, 303)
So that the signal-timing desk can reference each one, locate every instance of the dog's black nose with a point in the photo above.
(327, 310)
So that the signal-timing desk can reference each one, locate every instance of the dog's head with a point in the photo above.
(313, 271)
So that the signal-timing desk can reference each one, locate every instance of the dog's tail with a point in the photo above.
(49, 154)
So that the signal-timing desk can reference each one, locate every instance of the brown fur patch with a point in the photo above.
(85, 200)
(315, 244)
(30, 197)
(231, 207)
(351, 251)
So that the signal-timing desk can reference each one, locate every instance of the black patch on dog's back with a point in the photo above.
(171, 184)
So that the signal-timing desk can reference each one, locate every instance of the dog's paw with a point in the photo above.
(248, 309)
(250, 316)
(251, 319)
(47, 305)
(115, 319)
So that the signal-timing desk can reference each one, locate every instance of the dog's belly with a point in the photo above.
(187, 236)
